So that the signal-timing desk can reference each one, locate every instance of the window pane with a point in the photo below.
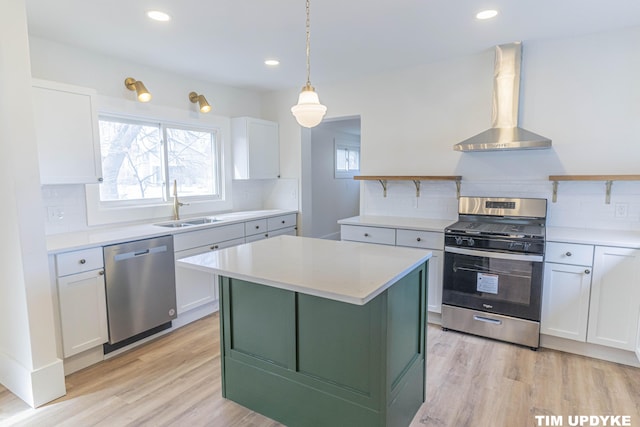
(354, 160)
(131, 161)
(341, 159)
(192, 162)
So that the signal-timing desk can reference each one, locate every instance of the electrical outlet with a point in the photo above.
(621, 210)
(55, 214)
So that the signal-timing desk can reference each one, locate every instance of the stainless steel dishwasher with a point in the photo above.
(140, 286)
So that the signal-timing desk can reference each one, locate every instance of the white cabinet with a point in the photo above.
(431, 240)
(66, 125)
(195, 288)
(256, 148)
(615, 298)
(367, 234)
(566, 289)
(270, 227)
(81, 295)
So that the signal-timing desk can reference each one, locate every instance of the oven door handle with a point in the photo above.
(498, 255)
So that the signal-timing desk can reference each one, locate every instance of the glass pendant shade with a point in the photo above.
(308, 112)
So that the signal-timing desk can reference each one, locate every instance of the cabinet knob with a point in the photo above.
(366, 234)
(418, 239)
(83, 261)
(101, 273)
(283, 221)
(101, 179)
(568, 254)
(587, 271)
(214, 247)
(257, 227)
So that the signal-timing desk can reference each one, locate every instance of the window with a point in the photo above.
(141, 160)
(347, 159)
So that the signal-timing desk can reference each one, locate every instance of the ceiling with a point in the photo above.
(226, 41)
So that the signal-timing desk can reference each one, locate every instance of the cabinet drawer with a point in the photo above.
(208, 248)
(192, 239)
(385, 236)
(255, 227)
(420, 239)
(79, 261)
(279, 222)
(569, 253)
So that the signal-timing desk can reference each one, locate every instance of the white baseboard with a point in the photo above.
(34, 387)
(590, 350)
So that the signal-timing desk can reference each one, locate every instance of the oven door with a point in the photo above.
(494, 282)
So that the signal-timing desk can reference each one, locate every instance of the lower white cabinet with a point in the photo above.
(431, 240)
(565, 301)
(82, 299)
(615, 298)
(196, 288)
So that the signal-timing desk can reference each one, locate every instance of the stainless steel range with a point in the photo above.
(493, 266)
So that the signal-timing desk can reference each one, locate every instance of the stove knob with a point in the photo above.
(458, 240)
(470, 242)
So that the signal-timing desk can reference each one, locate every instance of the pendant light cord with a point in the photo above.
(308, 46)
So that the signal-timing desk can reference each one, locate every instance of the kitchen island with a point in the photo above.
(323, 333)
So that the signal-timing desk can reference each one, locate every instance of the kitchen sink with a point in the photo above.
(187, 222)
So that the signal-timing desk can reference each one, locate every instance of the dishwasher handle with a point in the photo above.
(140, 253)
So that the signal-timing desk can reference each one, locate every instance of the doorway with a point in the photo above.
(329, 194)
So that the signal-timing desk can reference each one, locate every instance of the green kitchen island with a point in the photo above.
(322, 333)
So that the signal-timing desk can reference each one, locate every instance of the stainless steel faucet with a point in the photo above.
(176, 202)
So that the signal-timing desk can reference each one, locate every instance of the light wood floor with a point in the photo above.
(471, 381)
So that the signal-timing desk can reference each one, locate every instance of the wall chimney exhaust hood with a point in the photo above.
(505, 133)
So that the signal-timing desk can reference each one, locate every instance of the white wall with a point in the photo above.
(28, 363)
(331, 198)
(581, 92)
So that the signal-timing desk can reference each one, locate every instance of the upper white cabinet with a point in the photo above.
(256, 148)
(615, 298)
(66, 124)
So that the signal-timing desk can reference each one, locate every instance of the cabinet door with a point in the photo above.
(434, 303)
(83, 311)
(615, 298)
(256, 148)
(195, 288)
(565, 301)
(67, 131)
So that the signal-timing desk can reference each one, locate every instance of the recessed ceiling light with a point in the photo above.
(487, 14)
(272, 62)
(157, 15)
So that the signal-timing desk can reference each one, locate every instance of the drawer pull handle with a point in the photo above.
(419, 239)
(366, 234)
(83, 261)
(587, 271)
(568, 254)
(214, 247)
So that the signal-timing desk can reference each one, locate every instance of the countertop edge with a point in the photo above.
(403, 223)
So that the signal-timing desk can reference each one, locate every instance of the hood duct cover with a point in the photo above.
(505, 133)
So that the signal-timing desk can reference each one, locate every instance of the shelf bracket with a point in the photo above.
(458, 189)
(416, 182)
(383, 182)
(607, 199)
(555, 192)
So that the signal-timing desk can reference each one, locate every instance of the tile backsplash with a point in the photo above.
(579, 203)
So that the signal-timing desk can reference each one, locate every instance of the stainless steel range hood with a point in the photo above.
(505, 133)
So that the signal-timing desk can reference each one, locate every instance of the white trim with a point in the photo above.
(99, 215)
(341, 143)
(34, 387)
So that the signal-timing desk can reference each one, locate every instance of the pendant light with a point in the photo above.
(308, 112)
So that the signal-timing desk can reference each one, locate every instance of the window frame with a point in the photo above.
(342, 144)
(104, 213)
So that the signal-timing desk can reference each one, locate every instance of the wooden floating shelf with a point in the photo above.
(383, 179)
(608, 179)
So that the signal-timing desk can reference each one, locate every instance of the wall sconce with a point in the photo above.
(141, 91)
(201, 100)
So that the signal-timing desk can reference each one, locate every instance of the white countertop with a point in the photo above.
(118, 233)
(423, 224)
(619, 238)
(349, 272)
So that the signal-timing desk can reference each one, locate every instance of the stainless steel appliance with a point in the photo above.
(493, 269)
(140, 288)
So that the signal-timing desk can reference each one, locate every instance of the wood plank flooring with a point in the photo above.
(471, 381)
